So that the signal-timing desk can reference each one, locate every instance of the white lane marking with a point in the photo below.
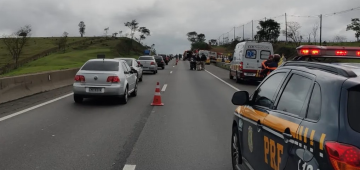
(223, 81)
(129, 167)
(164, 87)
(34, 107)
(170, 72)
(173, 66)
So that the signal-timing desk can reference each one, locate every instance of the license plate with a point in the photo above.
(249, 74)
(95, 90)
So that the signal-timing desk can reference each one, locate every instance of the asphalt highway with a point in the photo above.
(191, 131)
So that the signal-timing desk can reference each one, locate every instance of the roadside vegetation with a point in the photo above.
(22, 54)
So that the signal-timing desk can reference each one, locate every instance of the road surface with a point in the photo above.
(191, 131)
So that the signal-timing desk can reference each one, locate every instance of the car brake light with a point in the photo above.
(152, 63)
(342, 156)
(113, 79)
(162, 61)
(358, 53)
(340, 52)
(241, 65)
(79, 78)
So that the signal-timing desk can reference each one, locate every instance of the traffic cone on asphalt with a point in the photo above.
(157, 97)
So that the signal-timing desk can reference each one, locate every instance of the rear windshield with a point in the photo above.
(353, 108)
(264, 54)
(251, 54)
(101, 66)
(158, 58)
(146, 58)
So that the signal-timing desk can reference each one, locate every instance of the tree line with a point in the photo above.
(16, 41)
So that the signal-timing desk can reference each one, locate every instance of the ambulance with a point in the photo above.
(247, 59)
(212, 56)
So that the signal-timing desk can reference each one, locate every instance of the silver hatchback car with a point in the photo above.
(105, 78)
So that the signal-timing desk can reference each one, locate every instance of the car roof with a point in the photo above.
(124, 58)
(100, 59)
(146, 56)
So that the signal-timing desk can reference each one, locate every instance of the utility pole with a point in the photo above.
(234, 33)
(243, 33)
(320, 27)
(286, 35)
(252, 29)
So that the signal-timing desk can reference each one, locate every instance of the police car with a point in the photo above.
(304, 116)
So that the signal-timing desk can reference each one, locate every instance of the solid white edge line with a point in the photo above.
(129, 167)
(164, 87)
(34, 107)
(223, 81)
(170, 72)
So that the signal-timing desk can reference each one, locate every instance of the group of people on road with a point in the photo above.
(200, 60)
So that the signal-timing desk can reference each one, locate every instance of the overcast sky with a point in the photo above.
(170, 20)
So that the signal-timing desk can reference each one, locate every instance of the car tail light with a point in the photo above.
(152, 63)
(304, 51)
(340, 52)
(358, 53)
(162, 61)
(79, 78)
(241, 65)
(342, 156)
(113, 79)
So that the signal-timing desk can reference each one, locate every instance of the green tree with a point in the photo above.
(144, 32)
(82, 28)
(269, 30)
(200, 37)
(133, 25)
(354, 26)
(200, 46)
(192, 36)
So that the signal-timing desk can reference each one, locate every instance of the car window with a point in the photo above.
(294, 95)
(264, 54)
(101, 65)
(128, 61)
(314, 108)
(127, 67)
(251, 54)
(353, 108)
(265, 93)
(126, 70)
(146, 58)
(158, 58)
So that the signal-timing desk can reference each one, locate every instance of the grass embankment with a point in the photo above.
(76, 55)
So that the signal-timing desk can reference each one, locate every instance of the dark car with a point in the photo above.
(304, 115)
(160, 61)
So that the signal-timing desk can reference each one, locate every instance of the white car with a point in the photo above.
(105, 78)
(134, 64)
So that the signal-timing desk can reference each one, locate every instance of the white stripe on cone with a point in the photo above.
(157, 94)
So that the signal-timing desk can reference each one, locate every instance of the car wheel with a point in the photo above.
(134, 93)
(78, 99)
(235, 149)
(140, 79)
(163, 68)
(231, 76)
(238, 80)
(125, 97)
(154, 72)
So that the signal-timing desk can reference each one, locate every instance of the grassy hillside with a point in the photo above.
(76, 55)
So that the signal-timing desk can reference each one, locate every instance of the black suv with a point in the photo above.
(303, 116)
(160, 61)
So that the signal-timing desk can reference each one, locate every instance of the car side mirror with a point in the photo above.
(133, 70)
(240, 98)
(141, 65)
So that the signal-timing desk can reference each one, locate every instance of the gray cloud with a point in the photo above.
(170, 20)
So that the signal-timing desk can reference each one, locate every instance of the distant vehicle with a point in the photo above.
(166, 58)
(160, 62)
(247, 59)
(147, 52)
(149, 63)
(105, 78)
(135, 65)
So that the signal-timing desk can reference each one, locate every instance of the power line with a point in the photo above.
(341, 12)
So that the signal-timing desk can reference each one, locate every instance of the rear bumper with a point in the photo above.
(248, 75)
(151, 68)
(83, 90)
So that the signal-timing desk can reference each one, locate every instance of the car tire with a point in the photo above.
(235, 149)
(238, 80)
(163, 68)
(134, 93)
(78, 99)
(231, 76)
(124, 98)
(154, 72)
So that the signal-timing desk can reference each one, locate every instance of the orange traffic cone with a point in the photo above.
(157, 97)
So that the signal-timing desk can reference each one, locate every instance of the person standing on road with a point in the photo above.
(271, 65)
(203, 60)
(177, 59)
(198, 62)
